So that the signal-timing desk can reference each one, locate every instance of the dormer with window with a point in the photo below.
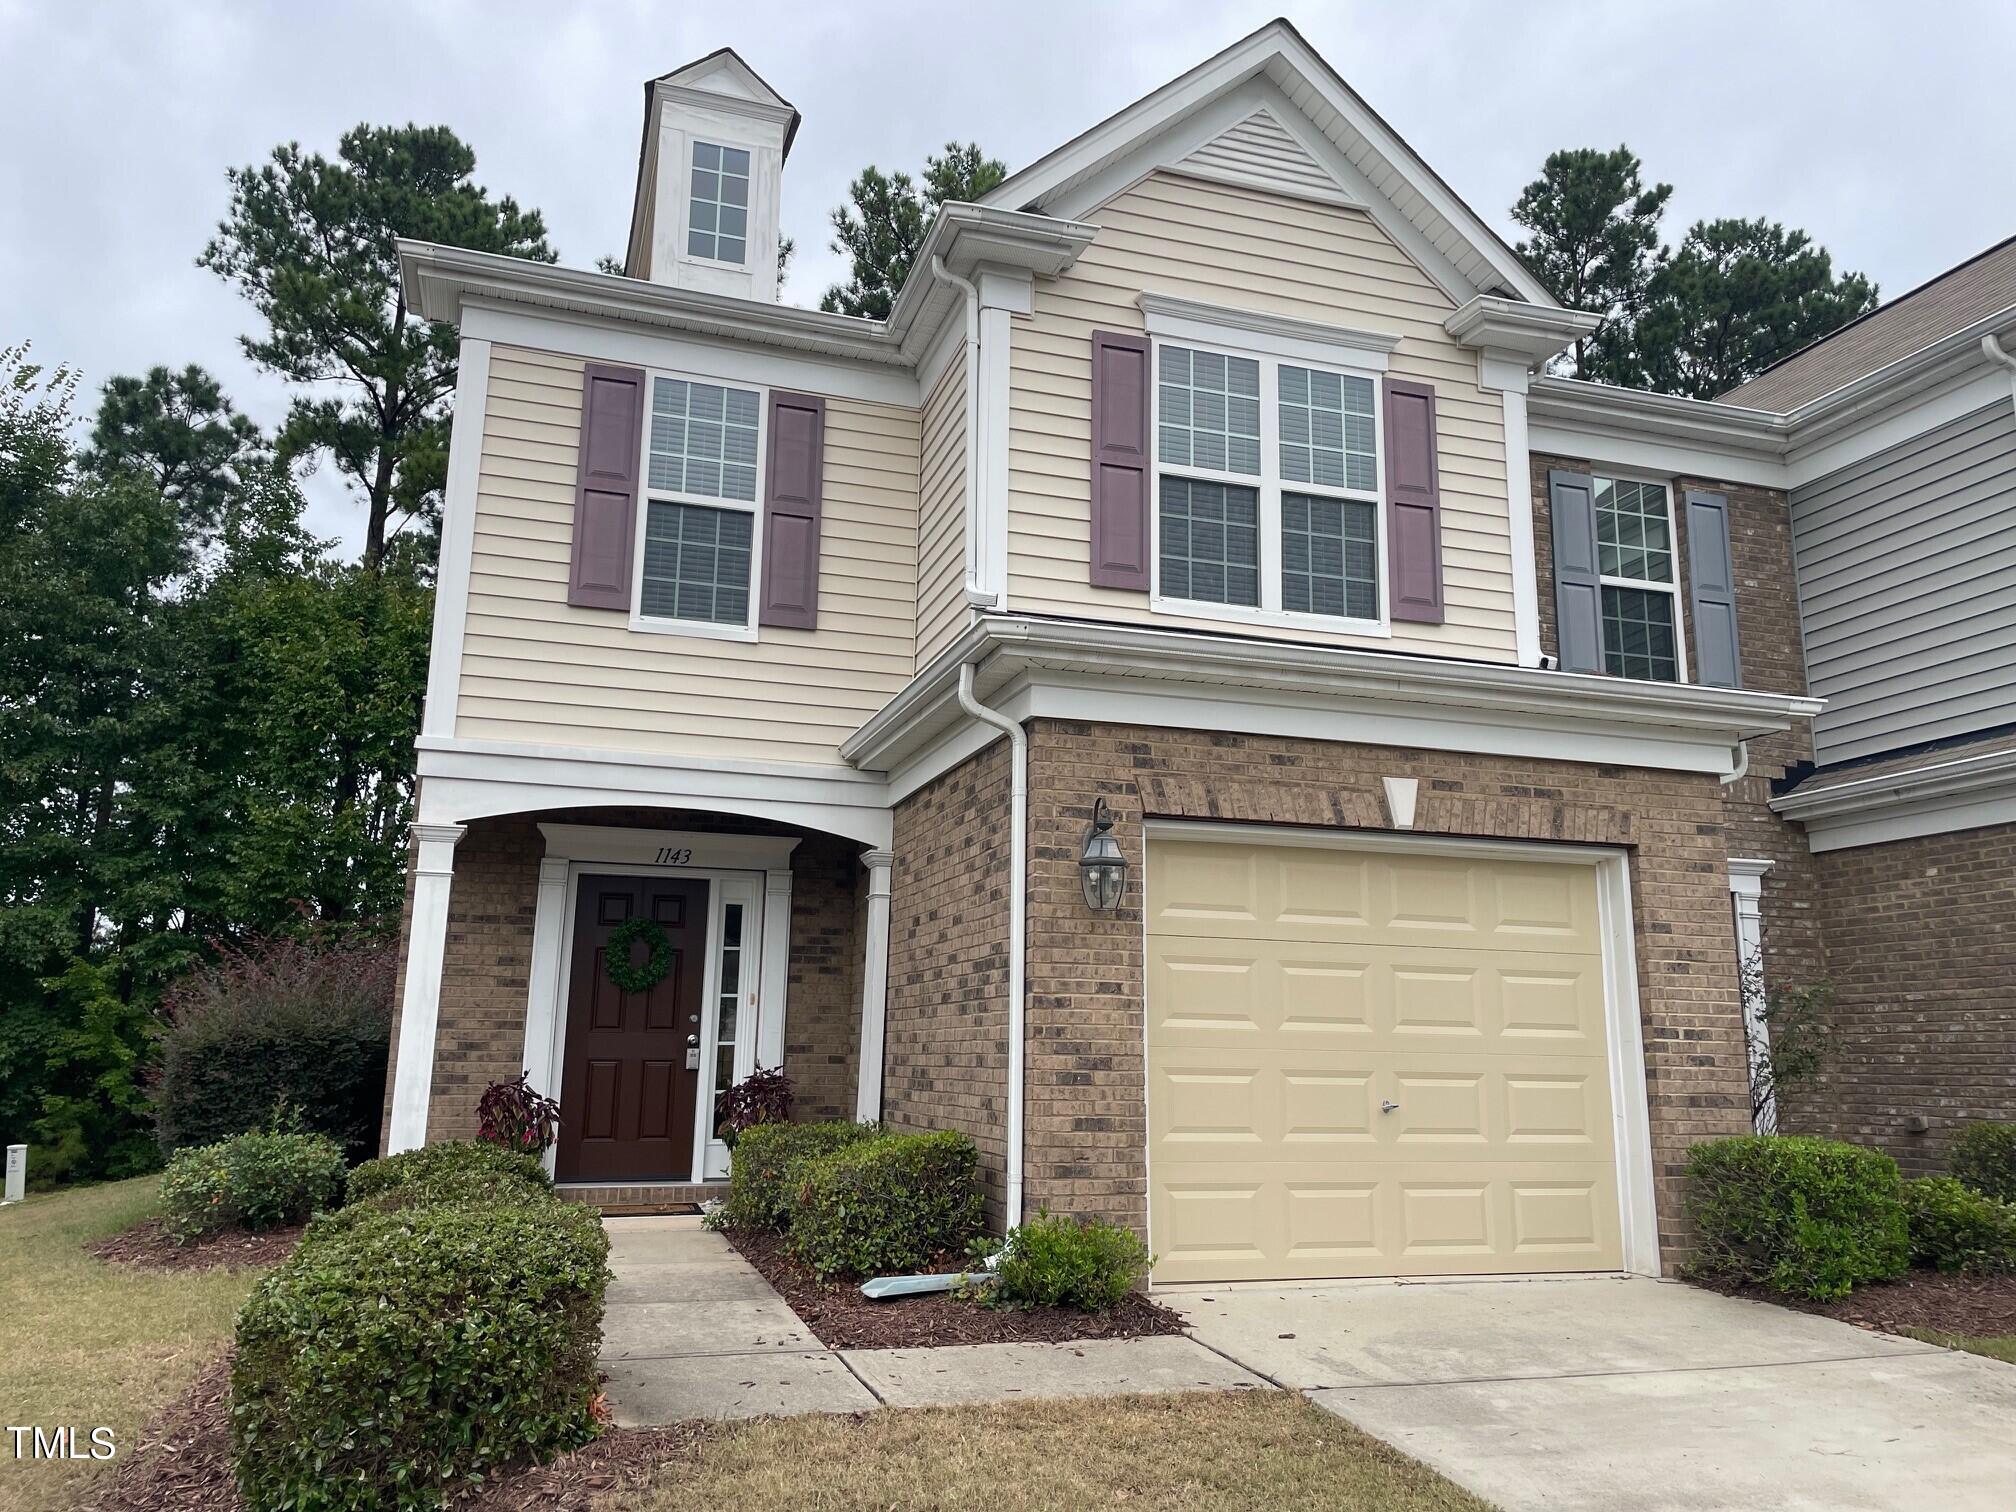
(709, 180)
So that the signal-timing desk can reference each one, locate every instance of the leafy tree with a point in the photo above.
(183, 433)
(1595, 246)
(1736, 297)
(313, 244)
(884, 224)
(94, 1115)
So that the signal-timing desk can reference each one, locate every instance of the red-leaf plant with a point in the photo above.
(761, 1097)
(515, 1116)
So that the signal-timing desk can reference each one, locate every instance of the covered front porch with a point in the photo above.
(635, 963)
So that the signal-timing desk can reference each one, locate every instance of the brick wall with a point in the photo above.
(1087, 1127)
(945, 1059)
(1921, 949)
(1767, 627)
(486, 970)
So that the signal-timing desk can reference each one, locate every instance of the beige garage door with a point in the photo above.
(1375, 1063)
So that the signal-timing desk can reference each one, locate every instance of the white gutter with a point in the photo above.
(1018, 922)
(975, 595)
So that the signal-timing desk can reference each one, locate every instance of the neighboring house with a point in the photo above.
(1200, 476)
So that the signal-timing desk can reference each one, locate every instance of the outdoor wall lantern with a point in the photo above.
(1101, 867)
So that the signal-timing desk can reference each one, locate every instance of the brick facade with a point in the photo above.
(1767, 628)
(1087, 1132)
(1921, 950)
(945, 1056)
(486, 970)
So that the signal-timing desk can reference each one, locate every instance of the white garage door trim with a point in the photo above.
(1630, 1119)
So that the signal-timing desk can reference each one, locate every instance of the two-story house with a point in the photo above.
(1198, 505)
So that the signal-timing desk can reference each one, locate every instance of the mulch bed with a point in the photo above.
(183, 1462)
(148, 1245)
(1980, 1306)
(841, 1318)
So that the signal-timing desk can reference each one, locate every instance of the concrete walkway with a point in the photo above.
(1606, 1393)
(692, 1330)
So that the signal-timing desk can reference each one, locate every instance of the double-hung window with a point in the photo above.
(696, 562)
(1641, 599)
(1267, 488)
(717, 219)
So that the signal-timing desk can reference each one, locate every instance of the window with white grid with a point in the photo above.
(696, 559)
(717, 219)
(1641, 599)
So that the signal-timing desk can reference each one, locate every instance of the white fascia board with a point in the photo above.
(1991, 774)
(1535, 332)
(972, 239)
(717, 356)
(458, 538)
(472, 779)
(1125, 674)
(1896, 424)
(1657, 432)
(1910, 821)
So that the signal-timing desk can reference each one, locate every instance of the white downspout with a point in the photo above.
(1994, 352)
(1742, 767)
(975, 544)
(1018, 922)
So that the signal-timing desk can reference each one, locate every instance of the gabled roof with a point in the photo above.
(1307, 94)
(723, 72)
(1982, 286)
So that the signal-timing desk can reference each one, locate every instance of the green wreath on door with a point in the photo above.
(652, 970)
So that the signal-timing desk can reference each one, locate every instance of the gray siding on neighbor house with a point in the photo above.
(1907, 588)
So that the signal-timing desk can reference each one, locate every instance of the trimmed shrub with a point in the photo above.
(280, 1020)
(1061, 1261)
(255, 1181)
(762, 1181)
(1955, 1228)
(1984, 1158)
(891, 1204)
(454, 1170)
(401, 1357)
(1809, 1217)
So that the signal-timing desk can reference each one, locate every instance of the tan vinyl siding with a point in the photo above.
(941, 515)
(1233, 246)
(538, 670)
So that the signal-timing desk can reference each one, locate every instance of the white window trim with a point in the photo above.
(653, 624)
(1345, 361)
(694, 142)
(1672, 589)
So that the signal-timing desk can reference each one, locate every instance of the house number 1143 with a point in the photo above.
(668, 856)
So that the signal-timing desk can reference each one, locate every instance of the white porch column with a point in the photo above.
(420, 1008)
(776, 980)
(1746, 887)
(874, 988)
(542, 1000)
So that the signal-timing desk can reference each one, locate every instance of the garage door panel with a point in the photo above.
(1295, 992)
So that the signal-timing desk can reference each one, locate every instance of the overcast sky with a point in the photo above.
(1884, 130)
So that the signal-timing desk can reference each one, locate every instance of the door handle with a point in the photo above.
(1389, 1107)
(692, 1039)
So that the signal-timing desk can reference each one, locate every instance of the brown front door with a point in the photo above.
(628, 1083)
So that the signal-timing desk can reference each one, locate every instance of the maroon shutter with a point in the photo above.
(605, 486)
(1413, 503)
(791, 511)
(1120, 397)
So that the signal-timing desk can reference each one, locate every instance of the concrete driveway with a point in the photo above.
(1608, 1393)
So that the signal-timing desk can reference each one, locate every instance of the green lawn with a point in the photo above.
(1259, 1450)
(85, 1343)
(2001, 1348)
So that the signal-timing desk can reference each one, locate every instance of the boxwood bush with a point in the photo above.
(399, 1357)
(762, 1181)
(1984, 1158)
(1809, 1217)
(890, 1204)
(280, 1020)
(456, 1169)
(1061, 1261)
(1955, 1228)
(255, 1182)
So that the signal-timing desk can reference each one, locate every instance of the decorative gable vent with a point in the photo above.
(1261, 153)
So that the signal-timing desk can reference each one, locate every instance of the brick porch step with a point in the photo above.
(635, 1199)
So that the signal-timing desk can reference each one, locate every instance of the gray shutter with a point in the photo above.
(1711, 576)
(605, 486)
(1120, 399)
(791, 511)
(1413, 503)
(1578, 589)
